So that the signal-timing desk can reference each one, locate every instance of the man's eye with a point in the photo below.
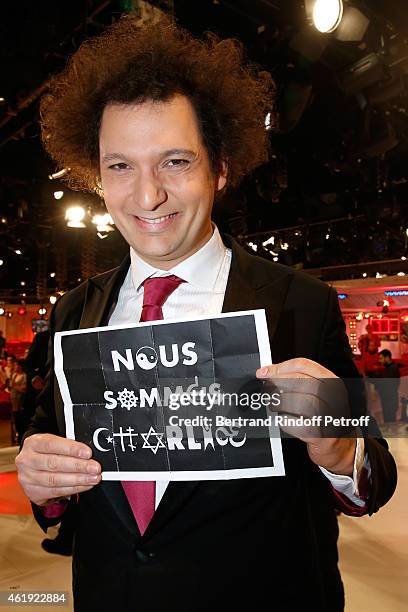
(176, 163)
(119, 166)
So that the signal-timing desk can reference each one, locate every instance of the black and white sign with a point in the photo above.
(160, 400)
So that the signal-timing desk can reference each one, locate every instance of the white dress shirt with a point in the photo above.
(206, 275)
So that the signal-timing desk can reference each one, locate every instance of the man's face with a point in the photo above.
(156, 177)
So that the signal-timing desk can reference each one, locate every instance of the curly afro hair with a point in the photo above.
(130, 64)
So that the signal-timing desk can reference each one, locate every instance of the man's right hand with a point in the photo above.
(50, 467)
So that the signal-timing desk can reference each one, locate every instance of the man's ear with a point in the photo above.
(221, 179)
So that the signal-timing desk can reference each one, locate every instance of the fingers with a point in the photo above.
(292, 368)
(56, 445)
(311, 392)
(53, 481)
(61, 463)
(50, 466)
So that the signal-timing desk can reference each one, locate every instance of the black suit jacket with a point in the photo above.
(211, 545)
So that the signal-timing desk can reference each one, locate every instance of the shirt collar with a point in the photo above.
(200, 269)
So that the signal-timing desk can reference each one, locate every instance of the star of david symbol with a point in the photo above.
(159, 441)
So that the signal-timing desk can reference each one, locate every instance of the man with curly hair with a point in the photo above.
(159, 123)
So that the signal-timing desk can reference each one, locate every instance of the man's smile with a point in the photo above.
(156, 219)
(156, 223)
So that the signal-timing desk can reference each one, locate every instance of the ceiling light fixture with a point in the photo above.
(327, 15)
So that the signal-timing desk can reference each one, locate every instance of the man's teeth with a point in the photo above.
(158, 219)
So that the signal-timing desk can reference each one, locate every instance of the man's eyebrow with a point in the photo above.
(110, 156)
(170, 152)
(167, 153)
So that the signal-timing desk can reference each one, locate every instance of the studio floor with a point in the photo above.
(373, 550)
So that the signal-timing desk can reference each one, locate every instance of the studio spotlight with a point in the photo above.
(103, 222)
(74, 216)
(326, 14)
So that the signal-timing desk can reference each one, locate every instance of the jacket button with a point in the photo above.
(141, 556)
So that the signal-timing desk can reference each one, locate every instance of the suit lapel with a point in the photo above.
(249, 289)
(101, 296)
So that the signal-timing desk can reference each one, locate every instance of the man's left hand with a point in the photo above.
(309, 390)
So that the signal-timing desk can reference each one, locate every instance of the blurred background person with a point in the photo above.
(369, 342)
(18, 388)
(2, 344)
(387, 380)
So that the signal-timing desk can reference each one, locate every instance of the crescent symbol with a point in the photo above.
(96, 440)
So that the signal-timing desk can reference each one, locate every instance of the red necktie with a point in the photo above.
(141, 494)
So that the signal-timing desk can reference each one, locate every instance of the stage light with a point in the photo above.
(2, 311)
(1, 262)
(58, 195)
(327, 15)
(52, 275)
(42, 311)
(59, 174)
(74, 216)
(270, 240)
(103, 222)
(22, 311)
(18, 252)
(53, 299)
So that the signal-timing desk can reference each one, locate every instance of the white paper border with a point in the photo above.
(278, 469)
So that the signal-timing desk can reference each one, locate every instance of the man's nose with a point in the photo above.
(149, 191)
